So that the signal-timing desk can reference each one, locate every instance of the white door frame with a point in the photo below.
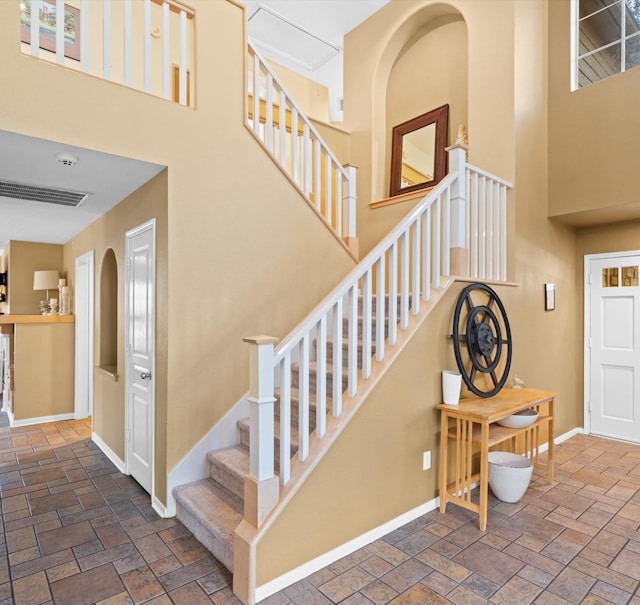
(84, 360)
(128, 326)
(587, 326)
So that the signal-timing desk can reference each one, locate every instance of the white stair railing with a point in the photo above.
(397, 275)
(156, 60)
(295, 144)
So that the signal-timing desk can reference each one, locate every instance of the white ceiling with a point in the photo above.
(296, 33)
(31, 161)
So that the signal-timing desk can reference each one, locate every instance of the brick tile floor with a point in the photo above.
(76, 531)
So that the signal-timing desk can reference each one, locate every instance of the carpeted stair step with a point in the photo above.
(228, 468)
(295, 377)
(374, 304)
(345, 351)
(244, 428)
(212, 514)
(374, 323)
(295, 405)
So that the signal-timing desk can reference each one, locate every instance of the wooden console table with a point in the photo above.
(473, 423)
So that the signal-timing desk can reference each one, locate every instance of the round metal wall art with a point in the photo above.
(482, 340)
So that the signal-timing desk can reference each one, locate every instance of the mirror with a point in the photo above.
(418, 157)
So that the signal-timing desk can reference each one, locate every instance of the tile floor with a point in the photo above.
(76, 531)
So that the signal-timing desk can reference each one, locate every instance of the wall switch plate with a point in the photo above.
(426, 461)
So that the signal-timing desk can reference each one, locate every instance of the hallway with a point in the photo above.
(75, 531)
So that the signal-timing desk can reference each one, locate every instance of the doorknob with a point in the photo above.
(145, 375)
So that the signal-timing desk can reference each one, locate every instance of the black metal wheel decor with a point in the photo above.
(482, 340)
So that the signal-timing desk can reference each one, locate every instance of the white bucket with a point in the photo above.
(509, 475)
(451, 384)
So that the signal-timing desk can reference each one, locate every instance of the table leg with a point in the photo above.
(484, 476)
(444, 447)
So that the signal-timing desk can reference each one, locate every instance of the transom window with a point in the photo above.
(608, 39)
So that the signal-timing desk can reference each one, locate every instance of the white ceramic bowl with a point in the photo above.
(519, 420)
(509, 475)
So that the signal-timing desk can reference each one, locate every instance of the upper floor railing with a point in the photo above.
(295, 144)
(143, 44)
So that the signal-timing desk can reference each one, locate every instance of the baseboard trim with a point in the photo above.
(306, 569)
(564, 437)
(160, 508)
(39, 420)
(109, 453)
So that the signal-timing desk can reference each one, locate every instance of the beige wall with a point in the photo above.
(347, 493)
(44, 370)
(108, 232)
(24, 259)
(243, 258)
(592, 136)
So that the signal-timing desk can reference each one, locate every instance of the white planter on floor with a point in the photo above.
(509, 475)
(451, 385)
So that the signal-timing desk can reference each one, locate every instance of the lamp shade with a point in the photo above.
(45, 280)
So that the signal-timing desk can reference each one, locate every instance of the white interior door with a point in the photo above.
(140, 352)
(612, 358)
(84, 322)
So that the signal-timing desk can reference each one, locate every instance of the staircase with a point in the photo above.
(212, 508)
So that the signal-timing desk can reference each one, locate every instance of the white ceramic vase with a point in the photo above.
(451, 385)
(509, 475)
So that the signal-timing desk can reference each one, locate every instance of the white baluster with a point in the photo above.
(426, 254)
(285, 419)
(282, 126)
(321, 383)
(446, 234)
(60, 32)
(269, 113)
(404, 281)
(147, 45)
(295, 164)
(474, 224)
(489, 231)
(481, 228)
(380, 306)
(437, 243)
(166, 51)
(128, 44)
(183, 58)
(339, 228)
(367, 322)
(496, 231)
(393, 293)
(352, 342)
(336, 394)
(503, 232)
(349, 209)
(303, 407)
(415, 268)
(306, 159)
(318, 174)
(328, 197)
(256, 95)
(106, 40)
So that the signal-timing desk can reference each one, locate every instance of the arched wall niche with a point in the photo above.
(428, 27)
(429, 71)
(108, 336)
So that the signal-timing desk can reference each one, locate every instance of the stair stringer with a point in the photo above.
(248, 537)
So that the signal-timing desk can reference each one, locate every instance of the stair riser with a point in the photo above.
(295, 408)
(345, 353)
(374, 323)
(374, 305)
(244, 440)
(295, 381)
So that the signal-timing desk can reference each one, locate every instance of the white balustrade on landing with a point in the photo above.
(115, 41)
(295, 144)
(388, 286)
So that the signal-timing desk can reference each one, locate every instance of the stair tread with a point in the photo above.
(235, 459)
(313, 365)
(244, 424)
(213, 506)
(295, 395)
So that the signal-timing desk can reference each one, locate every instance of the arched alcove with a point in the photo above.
(108, 336)
(430, 71)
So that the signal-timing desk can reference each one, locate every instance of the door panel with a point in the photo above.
(140, 353)
(615, 347)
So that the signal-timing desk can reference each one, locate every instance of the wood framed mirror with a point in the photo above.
(418, 156)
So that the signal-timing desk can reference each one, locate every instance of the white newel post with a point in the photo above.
(459, 246)
(349, 210)
(261, 486)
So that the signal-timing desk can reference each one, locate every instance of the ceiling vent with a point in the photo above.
(41, 194)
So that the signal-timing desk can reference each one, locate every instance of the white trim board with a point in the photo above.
(109, 453)
(194, 465)
(39, 420)
(306, 569)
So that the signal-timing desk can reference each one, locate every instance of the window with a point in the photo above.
(608, 39)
